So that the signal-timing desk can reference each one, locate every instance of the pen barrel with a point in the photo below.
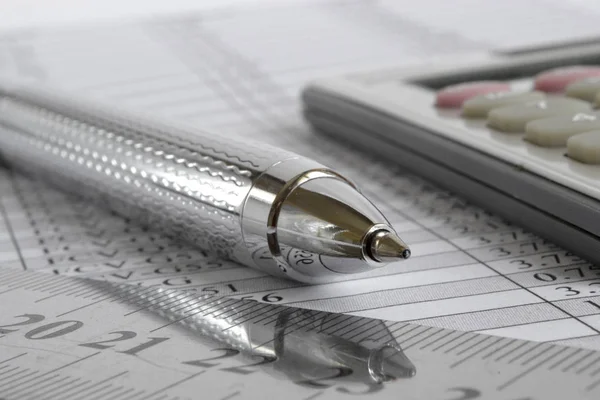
(177, 179)
(264, 207)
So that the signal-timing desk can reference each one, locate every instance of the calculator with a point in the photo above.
(516, 132)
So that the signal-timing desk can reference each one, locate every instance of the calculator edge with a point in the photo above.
(525, 194)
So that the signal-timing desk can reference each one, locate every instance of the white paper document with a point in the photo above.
(239, 73)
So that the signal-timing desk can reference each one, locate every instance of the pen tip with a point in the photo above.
(386, 247)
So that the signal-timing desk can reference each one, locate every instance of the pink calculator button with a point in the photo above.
(454, 96)
(555, 80)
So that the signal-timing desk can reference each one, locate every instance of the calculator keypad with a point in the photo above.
(557, 79)
(585, 89)
(555, 131)
(585, 147)
(455, 95)
(480, 106)
(555, 110)
(514, 118)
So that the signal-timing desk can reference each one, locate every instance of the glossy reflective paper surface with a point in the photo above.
(148, 343)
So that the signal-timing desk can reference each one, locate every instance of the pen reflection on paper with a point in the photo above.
(311, 354)
(295, 344)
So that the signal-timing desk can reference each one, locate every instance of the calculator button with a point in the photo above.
(597, 100)
(584, 89)
(453, 96)
(514, 118)
(555, 80)
(554, 131)
(480, 106)
(585, 147)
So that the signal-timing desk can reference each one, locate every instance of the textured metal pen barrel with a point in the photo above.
(261, 206)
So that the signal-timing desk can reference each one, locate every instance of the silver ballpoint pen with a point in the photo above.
(258, 205)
